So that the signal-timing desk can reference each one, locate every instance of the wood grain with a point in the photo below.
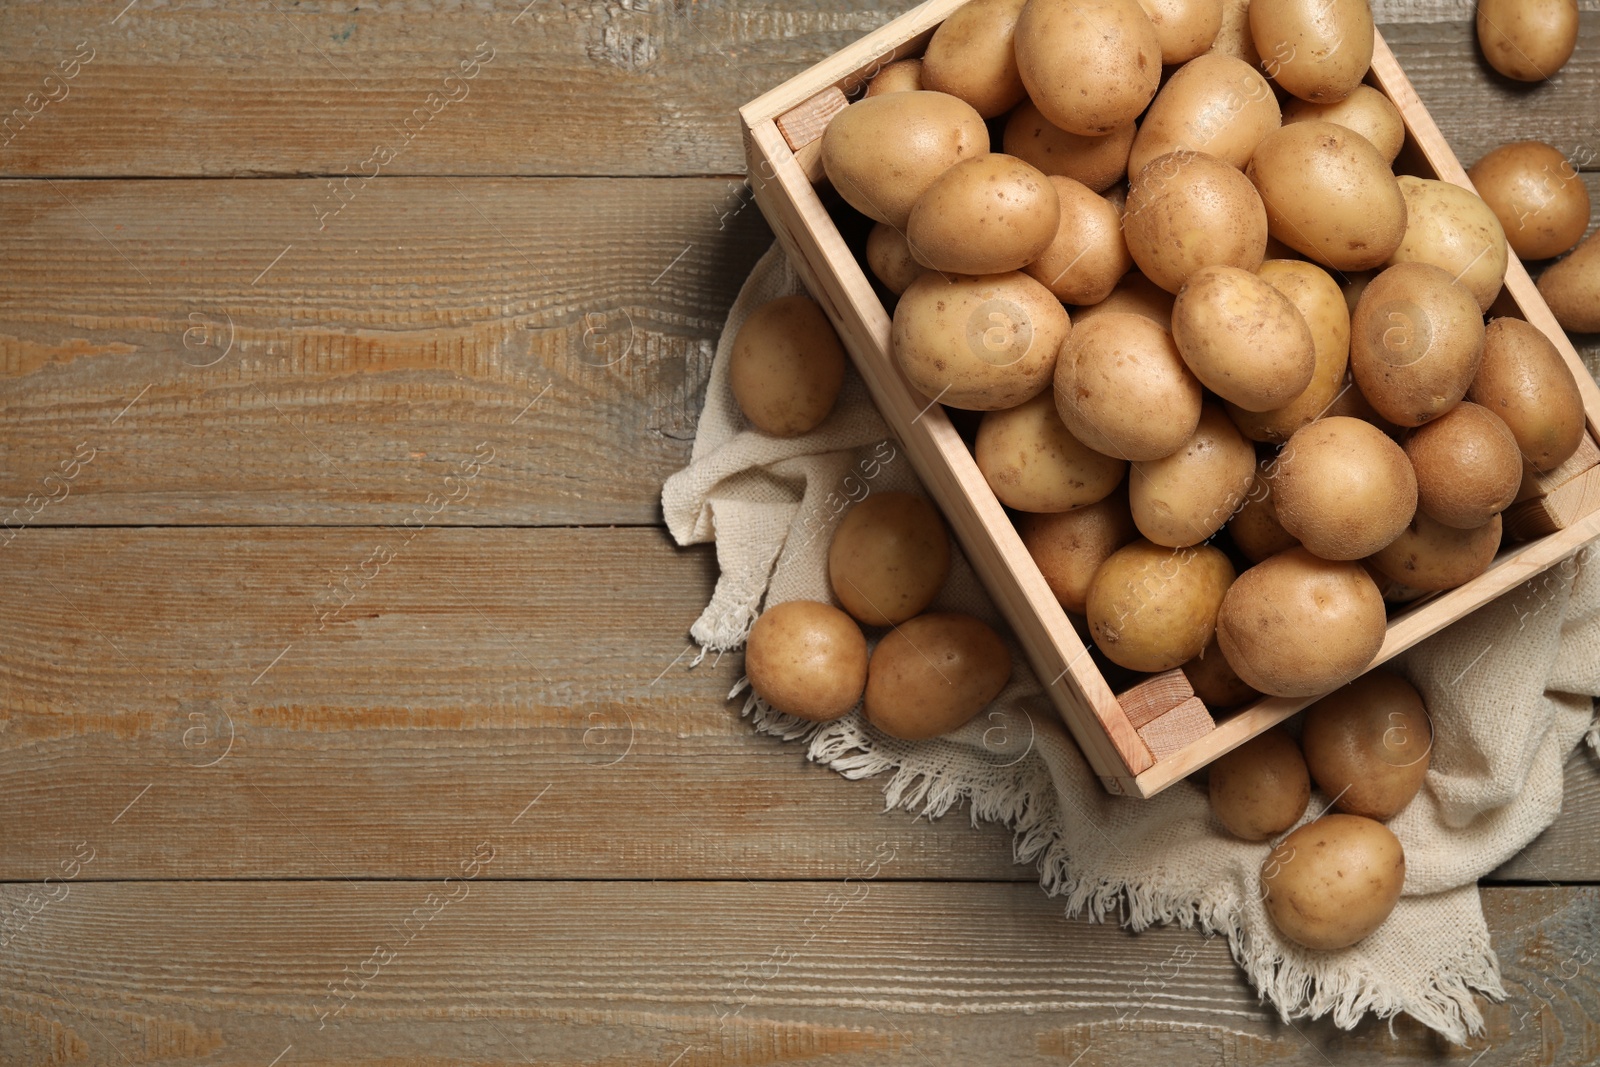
(580, 973)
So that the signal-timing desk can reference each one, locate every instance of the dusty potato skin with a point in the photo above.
(1430, 556)
(1317, 297)
(1091, 66)
(1243, 338)
(1255, 528)
(807, 659)
(787, 366)
(1214, 104)
(889, 558)
(890, 259)
(1184, 498)
(1069, 546)
(1369, 744)
(1135, 295)
(1468, 466)
(1416, 341)
(985, 215)
(1329, 195)
(1184, 28)
(1538, 196)
(901, 76)
(1152, 608)
(1122, 388)
(971, 56)
(1088, 255)
(1454, 230)
(1343, 488)
(1098, 162)
(980, 343)
(1187, 211)
(1572, 288)
(1318, 50)
(1528, 40)
(882, 152)
(1366, 111)
(1333, 881)
(1523, 380)
(1214, 681)
(1295, 625)
(933, 674)
(1261, 788)
(1033, 463)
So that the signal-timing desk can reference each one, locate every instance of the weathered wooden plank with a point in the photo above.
(1558, 855)
(861, 972)
(232, 363)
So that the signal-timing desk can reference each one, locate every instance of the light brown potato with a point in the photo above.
(1184, 498)
(1215, 104)
(1069, 546)
(1233, 37)
(1317, 297)
(889, 558)
(1468, 466)
(1091, 66)
(1098, 162)
(1329, 195)
(1454, 230)
(1528, 40)
(1572, 288)
(1333, 881)
(985, 215)
(1431, 556)
(1318, 50)
(1122, 388)
(1261, 788)
(1524, 380)
(901, 76)
(1416, 340)
(1214, 681)
(1184, 28)
(890, 258)
(1033, 463)
(981, 343)
(1352, 405)
(1343, 488)
(1188, 210)
(1537, 195)
(787, 366)
(882, 152)
(1296, 625)
(1366, 111)
(1354, 284)
(1243, 338)
(970, 56)
(1255, 528)
(933, 674)
(1152, 608)
(1369, 745)
(1088, 255)
(807, 659)
(1134, 295)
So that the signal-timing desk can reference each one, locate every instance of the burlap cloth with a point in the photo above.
(1510, 690)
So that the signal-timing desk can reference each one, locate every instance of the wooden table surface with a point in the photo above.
(345, 709)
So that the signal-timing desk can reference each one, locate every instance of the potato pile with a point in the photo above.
(1233, 372)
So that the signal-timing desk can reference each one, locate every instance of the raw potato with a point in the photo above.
(1122, 388)
(1572, 288)
(807, 659)
(980, 343)
(1069, 546)
(787, 366)
(890, 258)
(1233, 39)
(1295, 625)
(970, 56)
(1261, 788)
(1098, 162)
(1184, 498)
(901, 76)
(1214, 681)
(1415, 343)
(1033, 463)
(1528, 40)
(1091, 66)
(882, 152)
(985, 215)
(1333, 881)
(1369, 745)
(1243, 338)
(1343, 488)
(1135, 295)
(1431, 556)
(1184, 28)
(933, 674)
(1351, 404)
(1088, 255)
(1255, 528)
(1454, 230)
(1329, 194)
(1152, 608)
(1314, 294)
(1215, 104)
(889, 558)
(1468, 466)
(1366, 111)
(1538, 196)
(1318, 50)
(1524, 381)
(1188, 210)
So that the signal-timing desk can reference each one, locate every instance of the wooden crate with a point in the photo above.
(1143, 755)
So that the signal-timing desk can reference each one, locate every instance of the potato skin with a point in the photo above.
(1366, 111)
(1214, 104)
(1214, 681)
(1088, 254)
(1261, 788)
(1188, 210)
(1333, 881)
(1151, 608)
(1318, 50)
(1243, 338)
(882, 152)
(889, 558)
(1456, 231)
(1572, 288)
(1033, 463)
(1343, 488)
(1317, 297)
(1369, 745)
(786, 367)
(1184, 28)
(1416, 341)
(901, 76)
(890, 259)
(1523, 380)
(1184, 498)
(1255, 528)
(1091, 66)
(933, 674)
(1134, 294)
(970, 56)
(807, 659)
(1537, 195)
(985, 215)
(1098, 162)
(1122, 389)
(1468, 466)
(1527, 40)
(1431, 556)
(1069, 546)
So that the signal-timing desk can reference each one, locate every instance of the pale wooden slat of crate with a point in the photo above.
(1177, 729)
(1556, 510)
(1155, 696)
(1535, 484)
